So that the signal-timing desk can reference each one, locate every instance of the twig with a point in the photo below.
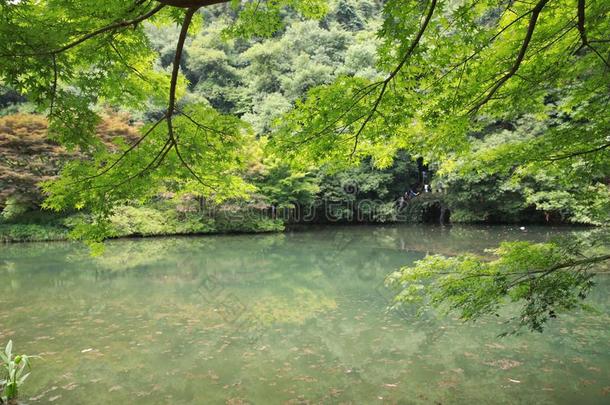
(54, 87)
(116, 25)
(520, 56)
(578, 153)
(393, 74)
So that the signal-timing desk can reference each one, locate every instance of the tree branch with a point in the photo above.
(176, 64)
(520, 56)
(578, 153)
(583, 33)
(581, 22)
(171, 142)
(560, 266)
(191, 3)
(123, 155)
(111, 27)
(478, 51)
(393, 74)
(159, 157)
(54, 86)
(543, 273)
(171, 107)
(200, 125)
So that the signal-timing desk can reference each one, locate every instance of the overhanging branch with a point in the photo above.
(393, 74)
(520, 56)
(84, 38)
(586, 43)
(171, 107)
(578, 153)
(191, 3)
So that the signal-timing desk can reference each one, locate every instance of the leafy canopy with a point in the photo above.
(457, 67)
(73, 59)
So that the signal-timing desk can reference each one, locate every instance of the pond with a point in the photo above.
(291, 318)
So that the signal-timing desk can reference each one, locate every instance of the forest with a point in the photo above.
(208, 117)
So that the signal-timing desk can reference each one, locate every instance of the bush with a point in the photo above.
(14, 207)
(146, 221)
(142, 221)
(157, 220)
(247, 224)
(31, 233)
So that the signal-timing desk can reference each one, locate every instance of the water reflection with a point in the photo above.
(288, 318)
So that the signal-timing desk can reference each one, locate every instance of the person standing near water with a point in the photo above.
(401, 202)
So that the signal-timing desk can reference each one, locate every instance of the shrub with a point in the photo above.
(247, 224)
(31, 233)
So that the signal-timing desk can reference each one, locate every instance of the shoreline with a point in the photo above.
(6, 239)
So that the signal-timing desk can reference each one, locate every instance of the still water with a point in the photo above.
(290, 318)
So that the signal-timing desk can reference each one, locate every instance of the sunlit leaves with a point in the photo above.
(46, 57)
(322, 128)
(206, 159)
(262, 19)
(543, 279)
(74, 123)
(466, 49)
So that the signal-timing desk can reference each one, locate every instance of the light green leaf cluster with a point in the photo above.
(504, 172)
(543, 279)
(50, 53)
(474, 66)
(207, 160)
(14, 370)
(263, 19)
(283, 187)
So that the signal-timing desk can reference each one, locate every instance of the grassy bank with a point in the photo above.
(31, 233)
(137, 222)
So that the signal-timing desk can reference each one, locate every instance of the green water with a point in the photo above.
(283, 318)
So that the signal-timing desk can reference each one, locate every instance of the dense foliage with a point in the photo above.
(545, 279)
